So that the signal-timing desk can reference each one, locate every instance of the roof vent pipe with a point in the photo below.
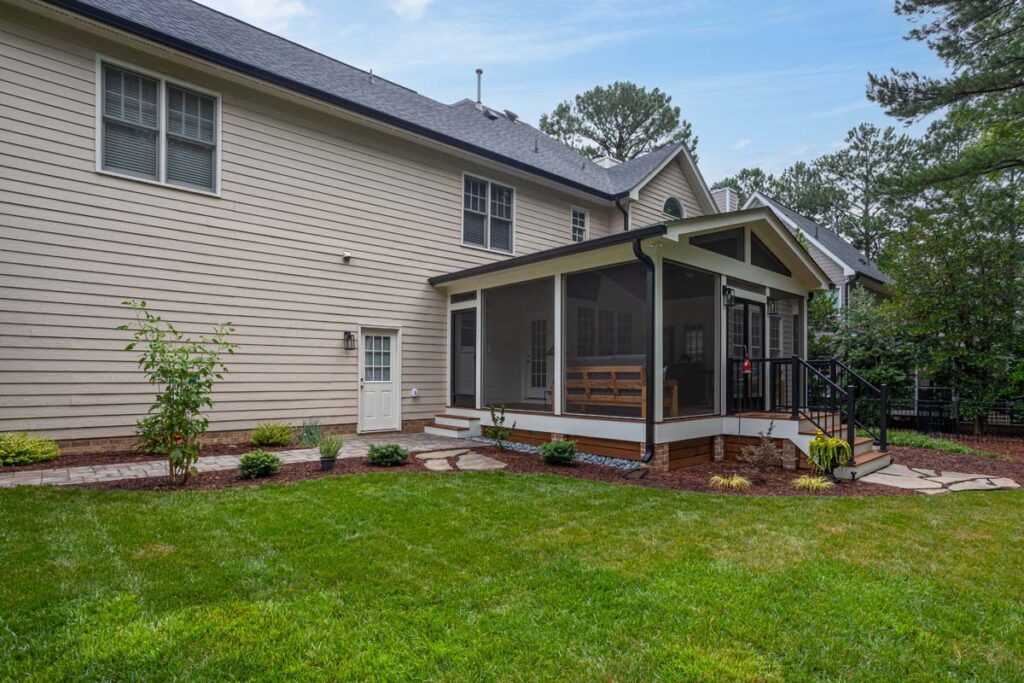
(479, 83)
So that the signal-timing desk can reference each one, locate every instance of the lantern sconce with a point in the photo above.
(728, 296)
(773, 306)
(350, 341)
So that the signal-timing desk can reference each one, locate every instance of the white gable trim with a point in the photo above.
(692, 174)
(767, 202)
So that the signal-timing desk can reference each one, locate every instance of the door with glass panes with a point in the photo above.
(746, 355)
(380, 382)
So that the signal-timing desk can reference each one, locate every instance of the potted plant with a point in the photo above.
(330, 446)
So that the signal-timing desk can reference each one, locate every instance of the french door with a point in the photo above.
(746, 363)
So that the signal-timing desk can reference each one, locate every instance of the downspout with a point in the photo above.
(625, 213)
(649, 402)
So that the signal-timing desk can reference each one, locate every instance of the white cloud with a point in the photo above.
(742, 143)
(409, 10)
(270, 15)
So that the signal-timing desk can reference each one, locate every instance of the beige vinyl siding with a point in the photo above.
(299, 188)
(669, 182)
(833, 270)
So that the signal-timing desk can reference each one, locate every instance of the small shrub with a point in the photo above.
(815, 484)
(19, 448)
(733, 483)
(765, 453)
(330, 446)
(386, 454)
(498, 432)
(272, 434)
(310, 433)
(558, 452)
(258, 464)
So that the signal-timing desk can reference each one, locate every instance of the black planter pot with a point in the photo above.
(327, 464)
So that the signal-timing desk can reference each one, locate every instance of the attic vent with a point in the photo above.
(511, 115)
(491, 114)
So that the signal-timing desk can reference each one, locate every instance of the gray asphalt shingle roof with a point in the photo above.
(830, 239)
(189, 26)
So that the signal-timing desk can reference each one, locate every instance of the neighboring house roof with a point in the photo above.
(829, 241)
(221, 39)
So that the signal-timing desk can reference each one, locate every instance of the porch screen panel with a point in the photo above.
(690, 339)
(518, 346)
(605, 341)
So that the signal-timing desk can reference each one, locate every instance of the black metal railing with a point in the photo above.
(995, 420)
(827, 392)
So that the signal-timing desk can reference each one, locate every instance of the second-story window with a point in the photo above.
(580, 220)
(487, 214)
(157, 131)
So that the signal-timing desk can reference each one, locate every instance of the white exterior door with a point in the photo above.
(379, 382)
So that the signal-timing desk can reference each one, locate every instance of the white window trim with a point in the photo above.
(682, 207)
(163, 81)
(487, 227)
(586, 223)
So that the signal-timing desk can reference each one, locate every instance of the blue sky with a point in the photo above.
(764, 83)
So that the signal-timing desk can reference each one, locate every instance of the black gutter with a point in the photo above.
(565, 250)
(625, 213)
(167, 40)
(651, 330)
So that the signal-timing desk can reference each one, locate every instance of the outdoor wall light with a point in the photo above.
(773, 306)
(728, 295)
(350, 341)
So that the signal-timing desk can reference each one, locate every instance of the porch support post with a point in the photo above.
(556, 384)
(658, 346)
(648, 263)
(479, 350)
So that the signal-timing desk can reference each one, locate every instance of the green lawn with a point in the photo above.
(507, 577)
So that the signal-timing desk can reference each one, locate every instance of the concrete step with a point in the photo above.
(444, 430)
(457, 421)
(864, 464)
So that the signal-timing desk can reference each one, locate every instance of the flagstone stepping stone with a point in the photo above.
(439, 455)
(927, 473)
(1004, 483)
(955, 477)
(901, 482)
(438, 465)
(933, 492)
(899, 471)
(975, 485)
(478, 462)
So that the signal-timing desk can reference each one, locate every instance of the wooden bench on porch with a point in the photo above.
(614, 385)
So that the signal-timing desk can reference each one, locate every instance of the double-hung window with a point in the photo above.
(487, 214)
(579, 224)
(156, 130)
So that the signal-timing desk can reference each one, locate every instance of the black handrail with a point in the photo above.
(868, 395)
(819, 400)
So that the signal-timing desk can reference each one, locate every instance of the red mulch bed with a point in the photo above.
(115, 457)
(956, 462)
(776, 482)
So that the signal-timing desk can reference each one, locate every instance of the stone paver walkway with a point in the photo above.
(933, 482)
(470, 461)
(354, 447)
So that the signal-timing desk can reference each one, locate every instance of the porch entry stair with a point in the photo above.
(829, 396)
(454, 426)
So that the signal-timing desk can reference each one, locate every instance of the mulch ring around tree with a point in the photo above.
(773, 482)
(129, 456)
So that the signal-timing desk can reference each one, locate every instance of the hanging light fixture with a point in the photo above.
(349, 341)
